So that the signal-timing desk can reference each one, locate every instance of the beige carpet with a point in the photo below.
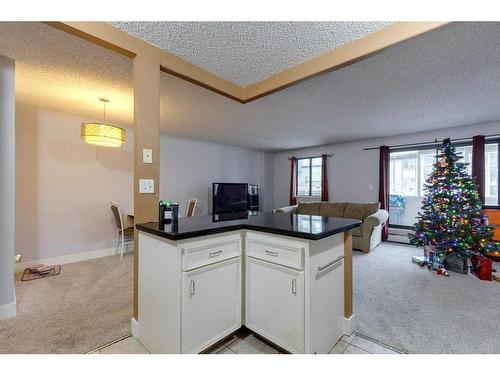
(415, 310)
(88, 305)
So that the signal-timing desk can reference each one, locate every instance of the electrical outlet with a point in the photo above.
(147, 156)
(146, 186)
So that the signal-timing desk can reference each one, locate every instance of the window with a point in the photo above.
(309, 177)
(404, 178)
(491, 174)
(409, 170)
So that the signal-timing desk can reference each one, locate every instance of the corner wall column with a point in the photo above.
(7, 187)
(348, 274)
(146, 135)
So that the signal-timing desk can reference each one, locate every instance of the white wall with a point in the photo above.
(352, 172)
(188, 168)
(64, 186)
(7, 187)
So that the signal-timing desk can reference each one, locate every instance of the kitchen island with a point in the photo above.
(286, 277)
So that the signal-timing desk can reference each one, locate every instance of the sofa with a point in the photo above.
(364, 238)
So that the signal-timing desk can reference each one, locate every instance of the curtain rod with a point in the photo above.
(307, 157)
(428, 143)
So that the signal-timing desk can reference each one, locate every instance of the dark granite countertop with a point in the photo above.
(292, 225)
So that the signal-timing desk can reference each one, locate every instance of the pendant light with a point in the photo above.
(101, 133)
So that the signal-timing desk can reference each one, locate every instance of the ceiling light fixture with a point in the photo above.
(103, 134)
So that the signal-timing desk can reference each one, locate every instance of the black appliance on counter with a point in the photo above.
(234, 197)
(253, 198)
(229, 197)
(168, 211)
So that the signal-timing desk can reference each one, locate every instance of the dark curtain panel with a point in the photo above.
(383, 186)
(324, 179)
(293, 180)
(478, 163)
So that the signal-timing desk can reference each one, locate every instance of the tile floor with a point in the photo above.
(245, 342)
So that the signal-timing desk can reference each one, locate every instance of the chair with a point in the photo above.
(191, 206)
(124, 236)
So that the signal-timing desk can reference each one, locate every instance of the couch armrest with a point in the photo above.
(286, 210)
(379, 217)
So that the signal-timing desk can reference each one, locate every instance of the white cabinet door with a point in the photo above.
(275, 303)
(211, 306)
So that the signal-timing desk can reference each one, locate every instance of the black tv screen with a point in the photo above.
(229, 197)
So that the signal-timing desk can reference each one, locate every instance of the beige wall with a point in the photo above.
(64, 186)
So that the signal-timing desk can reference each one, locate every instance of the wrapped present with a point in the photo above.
(482, 267)
(421, 261)
(456, 263)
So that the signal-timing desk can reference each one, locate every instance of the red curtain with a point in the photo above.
(383, 185)
(478, 163)
(324, 179)
(293, 181)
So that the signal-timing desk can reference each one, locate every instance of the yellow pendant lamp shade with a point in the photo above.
(103, 134)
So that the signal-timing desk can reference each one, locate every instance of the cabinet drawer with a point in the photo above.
(201, 253)
(273, 249)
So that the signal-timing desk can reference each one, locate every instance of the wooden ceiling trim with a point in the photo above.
(109, 37)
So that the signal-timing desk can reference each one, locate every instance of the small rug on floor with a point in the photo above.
(88, 305)
(29, 275)
(415, 310)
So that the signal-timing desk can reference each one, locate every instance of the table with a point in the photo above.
(129, 221)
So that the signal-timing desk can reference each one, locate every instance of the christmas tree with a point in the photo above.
(451, 220)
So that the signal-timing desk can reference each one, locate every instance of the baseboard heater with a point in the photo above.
(399, 235)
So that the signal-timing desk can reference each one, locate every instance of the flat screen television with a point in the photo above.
(229, 197)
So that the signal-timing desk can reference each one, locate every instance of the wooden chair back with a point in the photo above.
(191, 206)
(115, 208)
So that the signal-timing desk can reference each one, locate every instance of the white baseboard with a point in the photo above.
(349, 325)
(72, 258)
(134, 327)
(8, 310)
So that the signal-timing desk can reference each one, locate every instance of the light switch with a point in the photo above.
(146, 186)
(147, 156)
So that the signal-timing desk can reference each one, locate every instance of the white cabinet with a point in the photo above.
(191, 291)
(275, 303)
(211, 304)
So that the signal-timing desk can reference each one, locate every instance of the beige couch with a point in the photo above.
(367, 236)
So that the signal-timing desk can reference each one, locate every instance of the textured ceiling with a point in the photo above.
(57, 71)
(447, 77)
(444, 78)
(247, 52)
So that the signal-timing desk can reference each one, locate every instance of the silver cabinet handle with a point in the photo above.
(192, 288)
(329, 264)
(214, 253)
(272, 253)
(294, 286)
